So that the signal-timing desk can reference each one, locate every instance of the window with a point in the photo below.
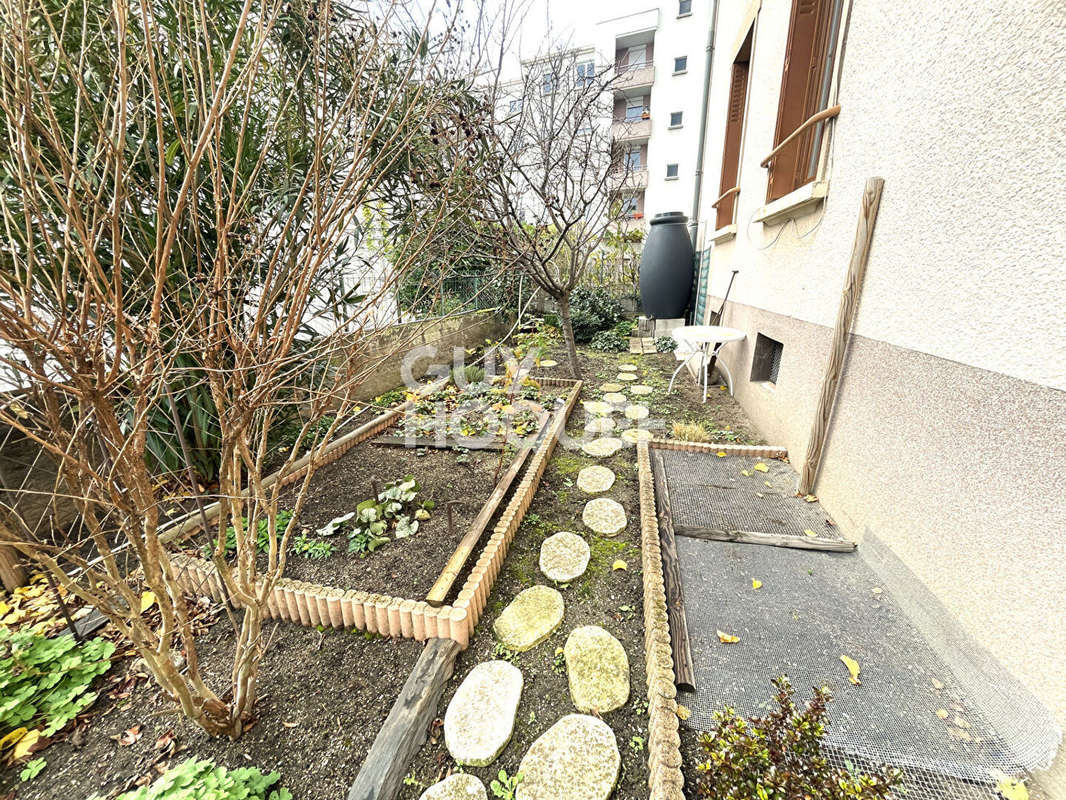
(514, 107)
(634, 109)
(586, 73)
(549, 82)
(637, 57)
(675, 119)
(684, 8)
(680, 64)
(633, 160)
(629, 205)
(671, 171)
(734, 131)
(805, 84)
(766, 363)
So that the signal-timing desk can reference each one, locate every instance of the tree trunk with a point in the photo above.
(568, 334)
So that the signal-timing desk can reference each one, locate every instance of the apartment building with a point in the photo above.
(947, 439)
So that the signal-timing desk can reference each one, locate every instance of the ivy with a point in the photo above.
(195, 780)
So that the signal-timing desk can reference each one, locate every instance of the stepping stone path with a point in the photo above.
(625, 376)
(460, 786)
(600, 425)
(595, 479)
(640, 389)
(604, 516)
(597, 407)
(636, 411)
(547, 362)
(529, 619)
(564, 556)
(611, 387)
(602, 447)
(597, 670)
(634, 435)
(575, 759)
(614, 398)
(627, 368)
(480, 717)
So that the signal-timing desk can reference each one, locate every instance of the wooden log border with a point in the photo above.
(311, 604)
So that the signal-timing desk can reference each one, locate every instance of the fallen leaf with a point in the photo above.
(810, 498)
(809, 532)
(147, 601)
(727, 638)
(745, 473)
(290, 724)
(761, 467)
(720, 454)
(1010, 788)
(619, 564)
(853, 669)
(960, 722)
(130, 736)
(937, 684)
(767, 483)
(10, 739)
(682, 712)
(755, 584)
(942, 713)
(25, 745)
(164, 740)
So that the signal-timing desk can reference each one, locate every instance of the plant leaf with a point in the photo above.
(147, 601)
(853, 669)
(727, 638)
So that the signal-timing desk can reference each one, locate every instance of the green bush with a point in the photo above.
(627, 327)
(609, 342)
(665, 344)
(195, 780)
(262, 534)
(591, 311)
(44, 681)
(780, 757)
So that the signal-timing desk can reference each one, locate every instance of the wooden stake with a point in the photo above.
(772, 539)
(684, 673)
(849, 302)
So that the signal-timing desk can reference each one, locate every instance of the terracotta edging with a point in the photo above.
(754, 450)
(312, 604)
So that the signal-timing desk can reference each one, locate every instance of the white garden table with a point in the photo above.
(704, 342)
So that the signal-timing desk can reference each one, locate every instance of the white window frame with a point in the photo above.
(643, 62)
(684, 68)
(677, 171)
(680, 119)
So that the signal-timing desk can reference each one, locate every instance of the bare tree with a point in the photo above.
(558, 174)
(159, 230)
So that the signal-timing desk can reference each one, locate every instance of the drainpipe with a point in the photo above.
(694, 219)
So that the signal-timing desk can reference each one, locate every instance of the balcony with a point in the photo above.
(634, 76)
(631, 131)
(635, 180)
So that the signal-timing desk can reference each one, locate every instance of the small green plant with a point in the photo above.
(780, 756)
(559, 661)
(390, 398)
(194, 780)
(393, 512)
(467, 376)
(309, 547)
(665, 344)
(44, 681)
(504, 785)
(410, 780)
(626, 327)
(32, 769)
(609, 342)
(636, 743)
(262, 534)
(502, 652)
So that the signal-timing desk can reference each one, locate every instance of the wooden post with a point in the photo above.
(771, 539)
(849, 303)
(684, 672)
(12, 575)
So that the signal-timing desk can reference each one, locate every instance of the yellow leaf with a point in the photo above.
(727, 638)
(4, 608)
(12, 737)
(942, 713)
(810, 498)
(745, 473)
(761, 467)
(619, 564)
(853, 669)
(755, 584)
(1010, 788)
(767, 483)
(720, 454)
(809, 532)
(147, 601)
(682, 712)
(25, 745)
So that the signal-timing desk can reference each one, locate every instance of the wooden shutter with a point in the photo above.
(801, 80)
(734, 128)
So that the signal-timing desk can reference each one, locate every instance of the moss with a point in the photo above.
(566, 464)
(603, 552)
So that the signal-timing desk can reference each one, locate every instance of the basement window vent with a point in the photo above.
(767, 361)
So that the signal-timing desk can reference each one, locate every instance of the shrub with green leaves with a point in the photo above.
(609, 342)
(262, 534)
(780, 756)
(591, 311)
(44, 681)
(665, 344)
(195, 780)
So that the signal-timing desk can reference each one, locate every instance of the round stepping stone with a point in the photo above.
(597, 670)
(460, 786)
(636, 411)
(600, 425)
(611, 387)
(604, 515)
(595, 479)
(597, 407)
(547, 362)
(575, 759)
(529, 619)
(634, 435)
(625, 376)
(602, 447)
(564, 556)
(614, 398)
(640, 389)
(480, 717)
(627, 368)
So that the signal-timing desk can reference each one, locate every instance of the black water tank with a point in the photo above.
(666, 267)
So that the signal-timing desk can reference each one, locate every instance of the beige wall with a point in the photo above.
(949, 434)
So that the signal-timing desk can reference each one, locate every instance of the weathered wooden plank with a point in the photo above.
(447, 444)
(849, 303)
(407, 725)
(771, 539)
(684, 673)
